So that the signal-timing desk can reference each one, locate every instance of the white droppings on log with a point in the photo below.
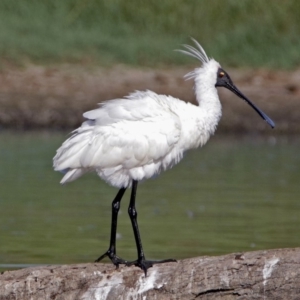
(108, 287)
(224, 277)
(268, 268)
(145, 284)
(190, 284)
(97, 273)
(104, 287)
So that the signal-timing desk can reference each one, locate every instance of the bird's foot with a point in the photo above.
(146, 264)
(116, 260)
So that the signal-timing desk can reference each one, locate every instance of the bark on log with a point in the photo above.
(271, 274)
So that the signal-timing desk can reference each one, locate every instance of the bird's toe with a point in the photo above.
(146, 264)
(116, 260)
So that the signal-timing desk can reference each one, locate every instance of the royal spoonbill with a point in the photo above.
(134, 138)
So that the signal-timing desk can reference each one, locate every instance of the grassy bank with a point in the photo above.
(254, 33)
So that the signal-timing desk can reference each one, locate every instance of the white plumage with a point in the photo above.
(139, 136)
(131, 139)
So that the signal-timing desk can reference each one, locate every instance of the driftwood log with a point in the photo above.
(272, 274)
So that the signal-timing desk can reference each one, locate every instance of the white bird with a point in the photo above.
(134, 138)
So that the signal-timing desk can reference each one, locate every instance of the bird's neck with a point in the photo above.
(209, 104)
(200, 122)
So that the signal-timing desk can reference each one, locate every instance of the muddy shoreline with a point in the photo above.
(39, 97)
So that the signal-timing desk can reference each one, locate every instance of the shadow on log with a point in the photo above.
(270, 274)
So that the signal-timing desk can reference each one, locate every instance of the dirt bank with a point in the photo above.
(55, 97)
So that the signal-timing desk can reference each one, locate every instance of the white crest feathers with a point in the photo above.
(197, 53)
(194, 52)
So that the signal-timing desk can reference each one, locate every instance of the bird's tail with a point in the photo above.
(73, 174)
(68, 156)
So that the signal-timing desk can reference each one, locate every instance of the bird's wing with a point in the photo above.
(123, 133)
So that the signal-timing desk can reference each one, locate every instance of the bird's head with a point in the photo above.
(211, 75)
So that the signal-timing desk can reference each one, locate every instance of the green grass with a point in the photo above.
(254, 33)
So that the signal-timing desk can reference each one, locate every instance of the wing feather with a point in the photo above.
(122, 134)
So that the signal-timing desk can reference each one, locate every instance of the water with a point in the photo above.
(235, 194)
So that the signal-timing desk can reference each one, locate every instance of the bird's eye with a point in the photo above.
(221, 74)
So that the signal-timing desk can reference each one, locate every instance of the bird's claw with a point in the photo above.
(146, 264)
(116, 260)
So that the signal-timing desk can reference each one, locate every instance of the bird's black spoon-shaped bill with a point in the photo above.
(236, 91)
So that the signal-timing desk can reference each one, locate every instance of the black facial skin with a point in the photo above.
(224, 80)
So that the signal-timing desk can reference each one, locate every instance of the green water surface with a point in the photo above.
(235, 194)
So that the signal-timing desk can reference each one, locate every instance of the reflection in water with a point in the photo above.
(235, 194)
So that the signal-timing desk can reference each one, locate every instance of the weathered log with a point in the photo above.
(271, 274)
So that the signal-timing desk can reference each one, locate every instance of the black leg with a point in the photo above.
(111, 252)
(141, 261)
